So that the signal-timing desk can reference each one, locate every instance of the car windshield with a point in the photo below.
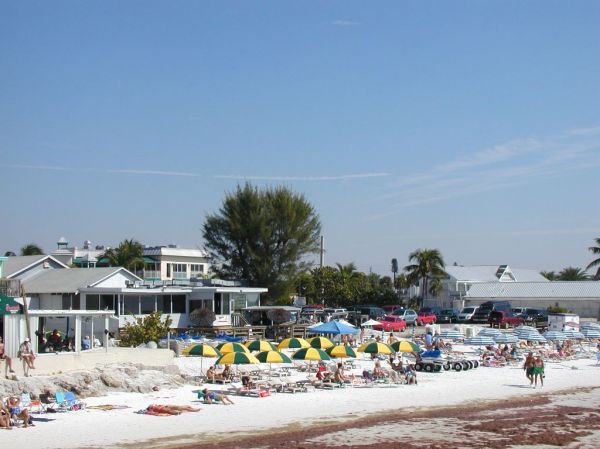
(389, 318)
(447, 312)
(468, 310)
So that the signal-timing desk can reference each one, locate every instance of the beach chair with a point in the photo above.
(32, 404)
(72, 402)
(60, 403)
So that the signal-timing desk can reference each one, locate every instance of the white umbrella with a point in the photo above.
(480, 340)
(371, 323)
(555, 336)
(506, 338)
(489, 332)
(451, 335)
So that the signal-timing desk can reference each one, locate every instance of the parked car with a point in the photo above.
(426, 317)
(505, 319)
(483, 312)
(535, 317)
(390, 309)
(391, 323)
(447, 316)
(408, 315)
(466, 314)
(336, 314)
(519, 310)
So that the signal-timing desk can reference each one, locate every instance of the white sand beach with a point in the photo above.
(119, 428)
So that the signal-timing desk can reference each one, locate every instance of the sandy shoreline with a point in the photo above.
(319, 415)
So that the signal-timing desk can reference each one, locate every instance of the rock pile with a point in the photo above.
(98, 381)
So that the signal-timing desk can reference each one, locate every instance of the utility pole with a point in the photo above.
(321, 264)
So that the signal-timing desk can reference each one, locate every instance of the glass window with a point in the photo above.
(197, 268)
(163, 303)
(168, 270)
(107, 302)
(147, 304)
(92, 302)
(178, 303)
(252, 299)
(131, 304)
(239, 301)
(225, 303)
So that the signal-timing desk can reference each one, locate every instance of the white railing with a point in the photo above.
(178, 275)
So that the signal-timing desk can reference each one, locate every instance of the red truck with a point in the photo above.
(504, 318)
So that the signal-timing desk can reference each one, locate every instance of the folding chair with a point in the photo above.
(32, 404)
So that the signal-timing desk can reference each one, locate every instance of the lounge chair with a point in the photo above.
(31, 404)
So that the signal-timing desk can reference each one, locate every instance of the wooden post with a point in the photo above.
(26, 313)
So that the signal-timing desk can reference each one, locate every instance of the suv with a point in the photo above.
(408, 315)
(535, 317)
(504, 318)
(466, 314)
(446, 316)
(336, 313)
(483, 313)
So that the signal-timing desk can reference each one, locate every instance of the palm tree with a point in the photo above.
(428, 263)
(572, 274)
(348, 271)
(550, 275)
(32, 249)
(9, 254)
(595, 250)
(128, 255)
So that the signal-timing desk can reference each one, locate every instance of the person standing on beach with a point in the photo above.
(4, 357)
(528, 366)
(538, 371)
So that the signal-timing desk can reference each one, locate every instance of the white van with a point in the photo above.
(466, 314)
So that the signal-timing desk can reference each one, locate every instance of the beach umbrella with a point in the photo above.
(594, 325)
(489, 332)
(341, 352)
(310, 354)
(525, 328)
(334, 327)
(260, 345)
(573, 334)
(405, 346)
(320, 342)
(371, 323)
(201, 350)
(451, 334)
(237, 358)
(555, 336)
(506, 338)
(294, 343)
(480, 340)
(271, 357)
(375, 347)
(228, 347)
(532, 337)
(590, 332)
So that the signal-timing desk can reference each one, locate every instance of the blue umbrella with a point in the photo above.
(532, 337)
(555, 336)
(570, 333)
(452, 335)
(480, 340)
(489, 332)
(590, 332)
(333, 327)
(506, 338)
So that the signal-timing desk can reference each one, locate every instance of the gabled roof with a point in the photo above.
(70, 281)
(17, 264)
(490, 273)
(554, 289)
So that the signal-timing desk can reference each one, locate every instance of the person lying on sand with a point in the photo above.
(210, 396)
(171, 409)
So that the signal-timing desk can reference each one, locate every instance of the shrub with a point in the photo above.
(556, 309)
(148, 328)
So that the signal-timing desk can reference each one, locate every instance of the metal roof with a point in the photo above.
(70, 281)
(554, 289)
(488, 273)
(16, 264)
(169, 251)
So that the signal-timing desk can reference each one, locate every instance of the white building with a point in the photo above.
(473, 285)
(171, 263)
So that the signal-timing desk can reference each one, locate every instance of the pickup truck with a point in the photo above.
(426, 318)
(504, 318)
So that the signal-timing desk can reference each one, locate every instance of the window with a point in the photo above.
(168, 270)
(131, 304)
(70, 301)
(148, 304)
(107, 302)
(92, 302)
(196, 269)
(179, 270)
(239, 301)
(163, 303)
(178, 302)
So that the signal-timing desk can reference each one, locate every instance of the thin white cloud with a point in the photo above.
(135, 171)
(305, 178)
(345, 23)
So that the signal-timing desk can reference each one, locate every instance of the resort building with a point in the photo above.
(473, 285)
(171, 263)
(86, 257)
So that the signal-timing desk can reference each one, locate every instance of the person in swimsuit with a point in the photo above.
(528, 367)
(4, 357)
(26, 353)
(211, 396)
(4, 416)
(538, 371)
(171, 409)
(17, 412)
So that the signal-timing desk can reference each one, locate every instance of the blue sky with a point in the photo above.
(468, 126)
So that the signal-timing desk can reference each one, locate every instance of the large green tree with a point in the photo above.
(550, 275)
(263, 236)
(427, 264)
(572, 274)
(596, 262)
(31, 249)
(129, 254)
